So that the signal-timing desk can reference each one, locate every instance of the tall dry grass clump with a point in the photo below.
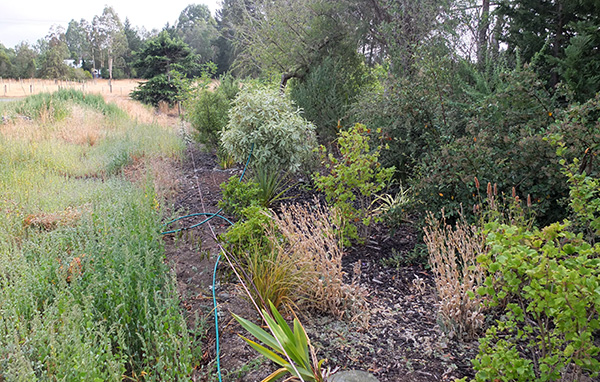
(453, 257)
(311, 241)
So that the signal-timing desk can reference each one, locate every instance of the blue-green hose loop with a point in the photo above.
(211, 215)
(214, 295)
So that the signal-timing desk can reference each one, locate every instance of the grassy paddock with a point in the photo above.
(84, 291)
(25, 87)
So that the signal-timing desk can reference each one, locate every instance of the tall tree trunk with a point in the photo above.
(558, 41)
(482, 33)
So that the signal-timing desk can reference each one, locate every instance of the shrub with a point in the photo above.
(268, 274)
(208, 110)
(266, 123)
(238, 196)
(416, 114)
(170, 88)
(353, 181)
(545, 282)
(505, 146)
(207, 113)
(328, 90)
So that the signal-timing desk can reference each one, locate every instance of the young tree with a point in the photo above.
(163, 54)
(25, 64)
(164, 61)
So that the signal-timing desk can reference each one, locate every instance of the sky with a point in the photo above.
(30, 20)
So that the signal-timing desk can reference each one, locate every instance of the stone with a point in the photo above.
(352, 376)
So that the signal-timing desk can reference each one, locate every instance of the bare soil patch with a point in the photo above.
(401, 341)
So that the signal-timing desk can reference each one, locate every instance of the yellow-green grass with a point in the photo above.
(84, 291)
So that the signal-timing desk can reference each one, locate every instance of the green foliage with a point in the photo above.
(53, 107)
(418, 114)
(248, 234)
(291, 348)
(208, 110)
(272, 186)
(163, 54)
(504, 145)
(545, 282)
(169, 88)
(328, 90)
(238, 195)
(353, 181)
(264, 121)
(85, 294)
(268, 275)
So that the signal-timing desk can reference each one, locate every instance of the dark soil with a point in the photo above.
(400, 342)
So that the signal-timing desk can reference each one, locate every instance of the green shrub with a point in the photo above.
(329, 89)
(268, 275)
(546, 284)
(504, 146)
(208, 110)
(248, 234)
(169, 88)
(237, 196)
(264, 122)
(416, 115)
(353, 181)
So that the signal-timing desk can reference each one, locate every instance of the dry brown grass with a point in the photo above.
(82, 127)
(453, 257)
(162, 171)
(26, 87)
(311, 241)
(51, 221)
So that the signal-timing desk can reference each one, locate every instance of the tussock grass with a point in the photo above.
(84, 291)
(311, 242)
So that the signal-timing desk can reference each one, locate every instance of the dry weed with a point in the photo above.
(311, 240)
(453, 257)
(82, 127)
(141, 113)
(51, 221)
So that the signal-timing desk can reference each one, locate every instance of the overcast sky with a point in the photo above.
(30, 20)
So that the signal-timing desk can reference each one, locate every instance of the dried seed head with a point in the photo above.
(477, 183)
(495, 189)
(489, 189)
(528, 200)
(514, 192)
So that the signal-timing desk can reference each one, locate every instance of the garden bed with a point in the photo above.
(400, 341)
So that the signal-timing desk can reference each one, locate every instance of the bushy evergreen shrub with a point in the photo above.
(504, 145)
(329, 89)
(208, 110)
(267, 123)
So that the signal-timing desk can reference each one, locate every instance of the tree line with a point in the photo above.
(105, 45)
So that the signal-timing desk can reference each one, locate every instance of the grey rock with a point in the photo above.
(352, 376)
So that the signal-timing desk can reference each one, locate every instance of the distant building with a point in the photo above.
(72, 63)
